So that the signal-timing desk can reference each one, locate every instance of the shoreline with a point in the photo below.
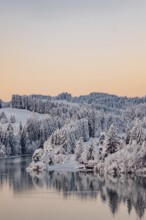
(18, 156)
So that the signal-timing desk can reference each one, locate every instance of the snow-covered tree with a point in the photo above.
(102, 138)
(94, 124)
(137, 133)
(2, 150)
(37, 156)
(128, 136)
(3, 118)
(32, 128)
(24, 142)
(12, 119)
(84, 129)
(42, 135)
(90, 150)
(112, 141)
(10, 141)
(79, 149)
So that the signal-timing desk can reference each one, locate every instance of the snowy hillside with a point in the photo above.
(21, 115)
(20, 129)
(98, 128)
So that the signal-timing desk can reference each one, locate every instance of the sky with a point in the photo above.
(76, 46)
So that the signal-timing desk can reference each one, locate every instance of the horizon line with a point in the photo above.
(73, 96)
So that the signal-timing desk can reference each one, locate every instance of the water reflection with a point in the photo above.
(127, 190)
(12, 172)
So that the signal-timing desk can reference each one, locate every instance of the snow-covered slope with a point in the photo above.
(21, 115)
(97, 128)
(22, 131)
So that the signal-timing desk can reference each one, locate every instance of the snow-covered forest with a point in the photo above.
(101, 128)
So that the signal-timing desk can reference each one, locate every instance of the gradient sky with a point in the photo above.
(78, 46)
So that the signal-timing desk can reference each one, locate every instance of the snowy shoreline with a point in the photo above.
(13, 157)
(73, 167)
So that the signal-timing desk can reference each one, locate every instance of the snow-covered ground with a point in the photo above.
(64, 167)
(21, 115)
(70, 166)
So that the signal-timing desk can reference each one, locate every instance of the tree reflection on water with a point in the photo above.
(127, 190)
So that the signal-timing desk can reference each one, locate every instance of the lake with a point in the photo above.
(66, 195)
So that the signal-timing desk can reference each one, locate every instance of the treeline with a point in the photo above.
(69, 119)
(45, 106)
(98, 120)
(112, 152)
(28, 137)
(99, 101)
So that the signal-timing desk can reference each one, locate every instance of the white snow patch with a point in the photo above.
(21, 115)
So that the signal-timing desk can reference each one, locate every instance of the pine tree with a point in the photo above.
(23, 141)
(12, 119)
(84, 129)
(2, 150)
(32, 129)
(101, 139)
(20, 128)
(128, 136)
(137, 133)
(94, 124)
(3, 118)
(112, 141)
(10, 141)
(42, 136)
(79, 149)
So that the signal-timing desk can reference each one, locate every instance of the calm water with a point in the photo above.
(68, 195)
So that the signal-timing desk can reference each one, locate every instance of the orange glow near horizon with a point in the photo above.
(73, 48)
